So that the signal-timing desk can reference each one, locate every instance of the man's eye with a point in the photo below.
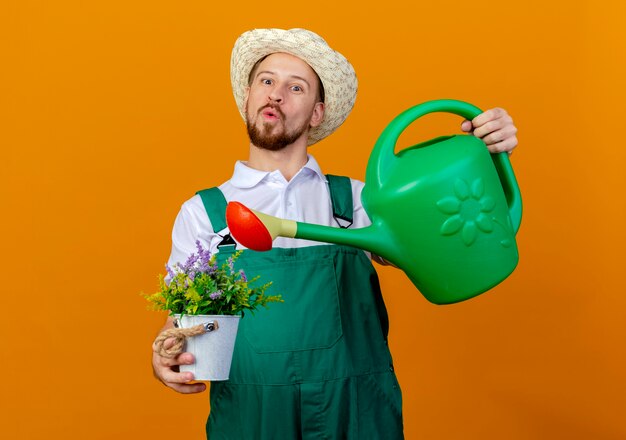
(296, 88)
(266, 81)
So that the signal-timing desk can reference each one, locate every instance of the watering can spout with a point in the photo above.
(361, 238)
(256, 230)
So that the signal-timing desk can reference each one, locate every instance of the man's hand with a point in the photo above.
(166, 370)
(495, 127)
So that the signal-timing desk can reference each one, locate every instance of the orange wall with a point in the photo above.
(113, 113)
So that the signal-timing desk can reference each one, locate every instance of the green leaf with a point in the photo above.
(452, 225)
(461, 189)
(449, 205)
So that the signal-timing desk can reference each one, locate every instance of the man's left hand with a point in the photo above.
(495, 127)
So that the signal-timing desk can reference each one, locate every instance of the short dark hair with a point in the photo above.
(321, 95)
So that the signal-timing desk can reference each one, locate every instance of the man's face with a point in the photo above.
(281, 104)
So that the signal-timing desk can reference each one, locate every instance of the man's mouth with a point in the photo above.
(270, 113)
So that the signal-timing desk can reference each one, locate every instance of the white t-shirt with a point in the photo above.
(305, 198)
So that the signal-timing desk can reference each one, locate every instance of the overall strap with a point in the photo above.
(341, 197)
(215, 206)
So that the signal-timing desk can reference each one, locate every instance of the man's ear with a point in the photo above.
(318, 114)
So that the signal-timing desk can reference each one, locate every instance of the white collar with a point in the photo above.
(246, 177)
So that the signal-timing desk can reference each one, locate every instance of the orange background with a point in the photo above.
(113, 113)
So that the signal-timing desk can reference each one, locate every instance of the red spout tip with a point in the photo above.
(247, 228)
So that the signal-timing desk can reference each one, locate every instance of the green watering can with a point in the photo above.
(445, 211)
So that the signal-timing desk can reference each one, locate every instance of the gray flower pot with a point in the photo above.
(212, 350)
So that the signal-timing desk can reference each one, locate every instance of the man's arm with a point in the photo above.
(189, 221)
(166, 370)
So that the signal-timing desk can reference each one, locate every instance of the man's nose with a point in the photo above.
(275, 96)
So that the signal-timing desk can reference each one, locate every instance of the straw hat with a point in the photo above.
(334, 70)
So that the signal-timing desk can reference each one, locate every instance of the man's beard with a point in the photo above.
(267, 140)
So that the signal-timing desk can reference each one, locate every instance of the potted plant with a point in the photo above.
(206, 301)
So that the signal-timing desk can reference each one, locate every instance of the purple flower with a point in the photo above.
(216, 295)
(190, 263)
(243, 276)
(203, 254)
(169, 270)
(204, 257)
(231, 264)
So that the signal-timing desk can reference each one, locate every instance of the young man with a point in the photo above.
(317, 365)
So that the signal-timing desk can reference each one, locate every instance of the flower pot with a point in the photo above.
(213, 350)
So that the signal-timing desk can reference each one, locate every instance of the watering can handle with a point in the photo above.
(383, 154)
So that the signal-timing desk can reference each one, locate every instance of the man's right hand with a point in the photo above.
(166, 370)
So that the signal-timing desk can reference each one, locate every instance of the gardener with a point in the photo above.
(317, 365)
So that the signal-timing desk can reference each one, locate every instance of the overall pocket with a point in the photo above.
(309, 318)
